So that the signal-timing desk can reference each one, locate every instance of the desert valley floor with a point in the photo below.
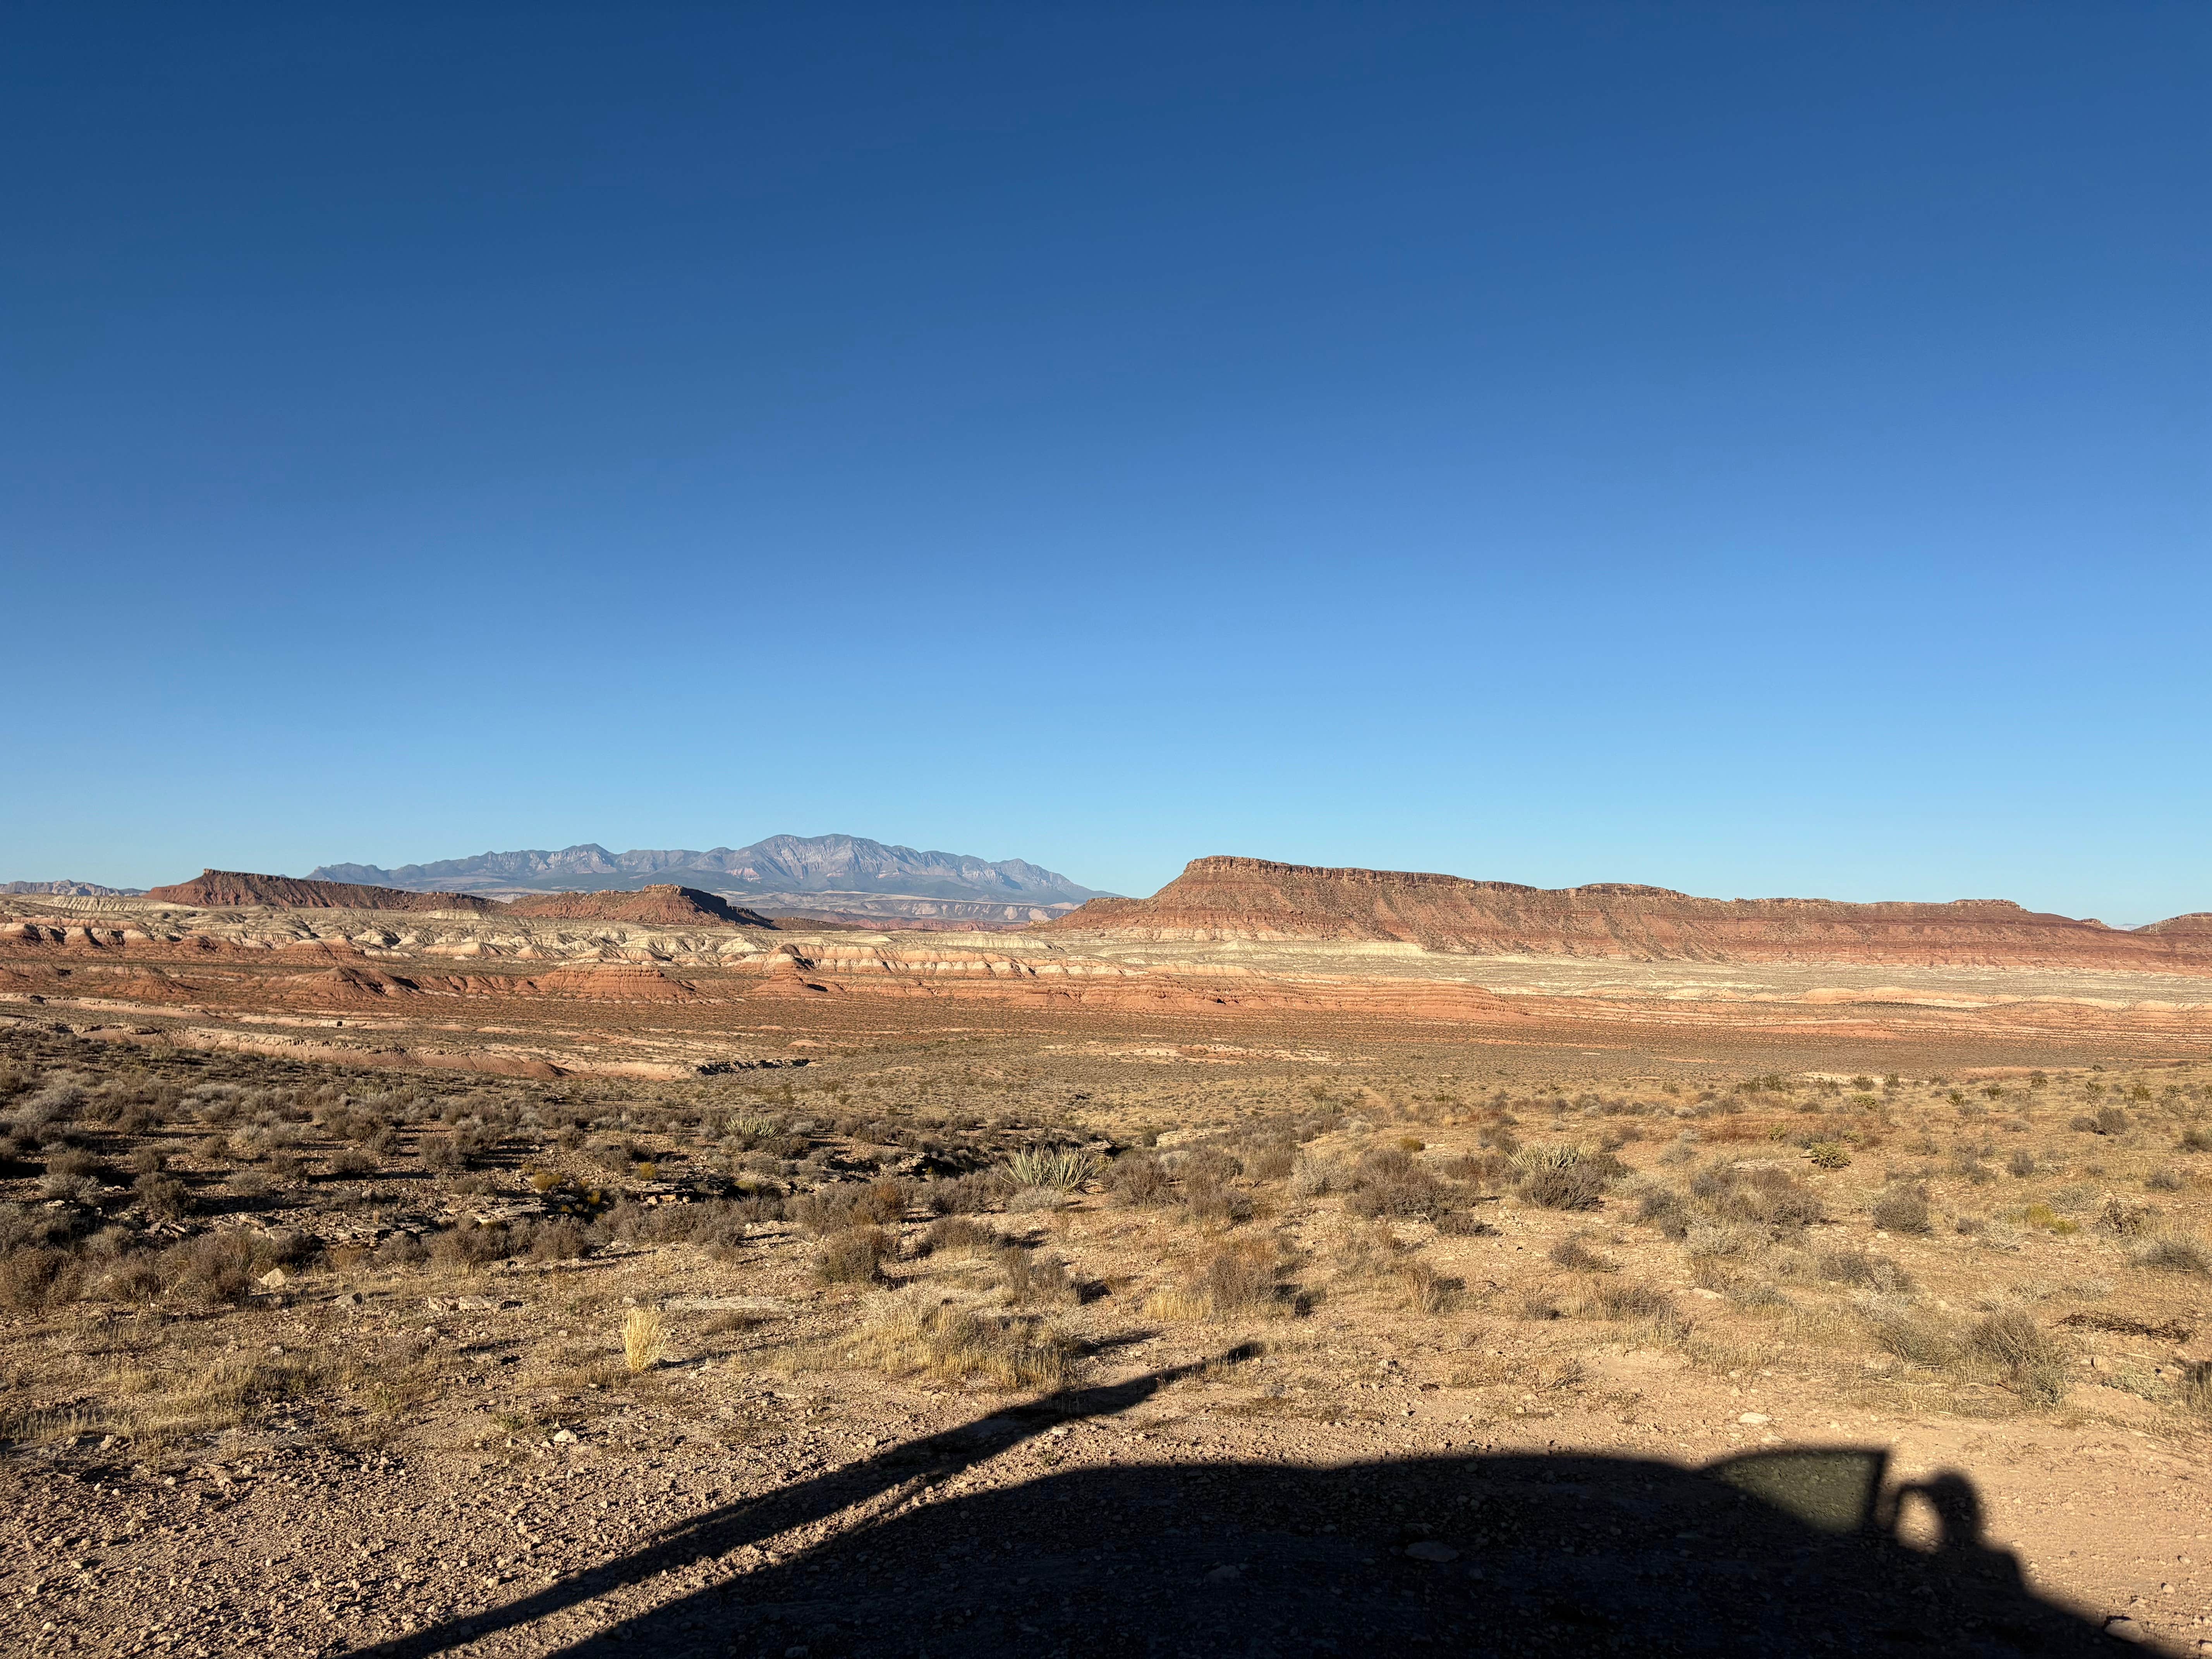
(424, 1283)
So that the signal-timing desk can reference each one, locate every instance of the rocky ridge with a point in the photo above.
(224, 888)
(1224, 898)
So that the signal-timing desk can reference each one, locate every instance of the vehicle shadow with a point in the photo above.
(1786, 1551)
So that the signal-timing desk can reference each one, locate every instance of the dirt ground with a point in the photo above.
(1111, 1336)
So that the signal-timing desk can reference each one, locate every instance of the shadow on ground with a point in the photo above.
(1789, 1551)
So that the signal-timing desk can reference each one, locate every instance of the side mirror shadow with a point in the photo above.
(1831, 1489)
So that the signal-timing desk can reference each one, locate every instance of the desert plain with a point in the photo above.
(445, 1280)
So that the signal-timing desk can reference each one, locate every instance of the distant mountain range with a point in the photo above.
(69, 890)
(840, 877)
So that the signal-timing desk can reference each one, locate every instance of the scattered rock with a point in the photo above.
(1429, 1550)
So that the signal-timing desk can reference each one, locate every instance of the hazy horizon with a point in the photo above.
(398, 865)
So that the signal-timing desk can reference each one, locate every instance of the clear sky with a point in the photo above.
(1754, 449)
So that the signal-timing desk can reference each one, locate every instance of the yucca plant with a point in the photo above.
(1062, 1168)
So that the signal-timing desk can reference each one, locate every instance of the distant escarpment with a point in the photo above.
(664, 905)
(216, 889)
(1254, 899)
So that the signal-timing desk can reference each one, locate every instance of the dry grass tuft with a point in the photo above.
(1634, 1301)
(1237, 1281)
(912, 1333)
(2007, 1346)
(1912, 1335)
(645, 1339)
(1425, 1290)
(1033, 1276)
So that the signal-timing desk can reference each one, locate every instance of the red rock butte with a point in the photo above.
(1255, 899)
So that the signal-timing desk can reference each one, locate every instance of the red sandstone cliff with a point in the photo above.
(1237, 898)
(218, 888)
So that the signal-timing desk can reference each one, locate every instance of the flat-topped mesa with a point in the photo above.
(220, 889)
(1258, 900)
(664, 905)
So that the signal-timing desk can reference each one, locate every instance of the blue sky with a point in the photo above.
(1756, 449)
